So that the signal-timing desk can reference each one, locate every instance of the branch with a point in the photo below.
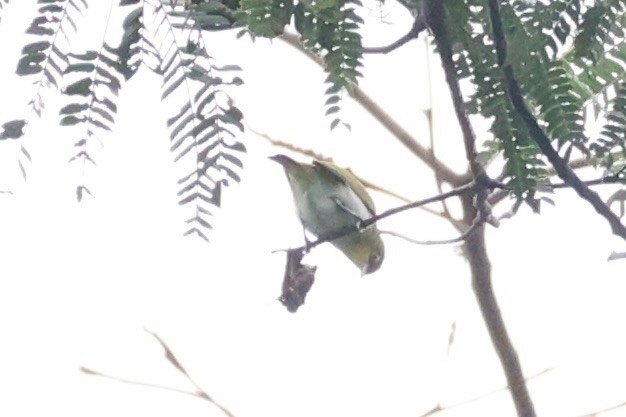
(461, 238)
(418, 26)
(439, 197)
(604, 410)
(387, 121)
(437, 25)
(365, 223)
(560, 165)
(499, 195)
(609, 179)
(90, 371)
(169, 355)
(442, 40)
(475, 248)
(431, 136)
(368, 184)
(440, 408)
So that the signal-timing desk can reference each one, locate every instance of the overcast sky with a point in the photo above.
(80, 282)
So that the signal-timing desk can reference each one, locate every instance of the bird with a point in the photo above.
(330, 200)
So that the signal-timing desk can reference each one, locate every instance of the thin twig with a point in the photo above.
(431, 135)
(90, 371)
(604, 410)
(498, 195)
(417, 28)
(610, 179)
(365, 223)
(368, 184)
(457, 239)
(439, 197)
(198, 393)
(440, 408)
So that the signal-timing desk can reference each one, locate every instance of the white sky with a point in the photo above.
(79, 282)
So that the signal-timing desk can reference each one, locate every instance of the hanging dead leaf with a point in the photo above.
(298, 281)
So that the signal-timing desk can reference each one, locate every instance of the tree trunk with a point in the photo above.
(476, 253)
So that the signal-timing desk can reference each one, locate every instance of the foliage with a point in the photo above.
(328, 27)
(565, 54)
(204, 126)
(568, 56)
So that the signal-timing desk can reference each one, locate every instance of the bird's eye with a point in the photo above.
(374, 263)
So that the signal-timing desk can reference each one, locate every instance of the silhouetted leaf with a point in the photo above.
(13, 129)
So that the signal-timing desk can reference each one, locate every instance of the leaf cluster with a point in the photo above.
(166, 39)
(205, 127)
(566, 55)
(329, 28)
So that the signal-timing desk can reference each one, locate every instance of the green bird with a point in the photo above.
(330, 199)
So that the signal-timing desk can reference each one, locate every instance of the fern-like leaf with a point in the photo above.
(328, 28)
(96, 81)
(265, 17)
(331, 29)
(204, 130)
(211, 15)
(476, 61)
(546, 85)
(603, 24)
(596, 80)
(553, 22)
(45, 60)
(610, 146)
(136, 47)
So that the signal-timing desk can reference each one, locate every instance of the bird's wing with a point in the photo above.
(348, 178)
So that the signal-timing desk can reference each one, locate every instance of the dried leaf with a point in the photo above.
(298, 281)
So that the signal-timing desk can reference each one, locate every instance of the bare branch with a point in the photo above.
(198, 393)
(386, 120)
(440, 408)
(368, 184)
(499, 195)
(475, 247)
(439, 197)
(431, 135)
(418, 26)
(347, 230)
(457, 239)
(604, 410)
(90, 371)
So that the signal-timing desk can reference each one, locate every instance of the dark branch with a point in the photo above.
(611, 179)
(475, 247)
(499, 195)
(435, 15)
(439, 197)
(347, 230)
(418, 26)
(560, 165)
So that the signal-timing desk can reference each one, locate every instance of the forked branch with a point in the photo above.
(198, 392)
